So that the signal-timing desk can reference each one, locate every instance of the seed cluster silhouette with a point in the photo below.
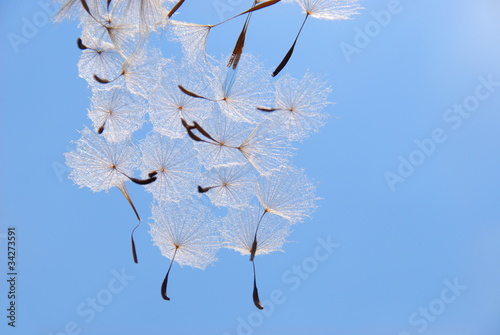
(223, 129)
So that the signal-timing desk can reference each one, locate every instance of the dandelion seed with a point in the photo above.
(219, 148)
(189, 129)
(101, 165)
(116, 113)
(204, 189)
(168, 105)
(320, 9)
(239, 46)
(299, 106)
(253, 249)
(193, 37)
(288, 55)
(139, 72)
(192, 94)
(237, 91)
(175, 167)
(100, 130)
(105, 81)
(229, 186)
(251, 233)
(195, 126)
(185, 233)
(240, 43)
(288, 193)
(255, 295)
(110, 26)
(80, 44)
(265, 149)
(143, 181)
(267, 109)
(85, 6)
(100, 59)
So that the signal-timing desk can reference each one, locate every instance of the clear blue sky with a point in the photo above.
(418, 257)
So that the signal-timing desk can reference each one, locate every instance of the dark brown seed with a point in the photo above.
(86, 7)
(191, 94)
(254, 249)
(134, 252)
(80, 44)
(143, 181)
(267, 109)
(240, 44)
(203, 189)
(189, 129)
(290, 52)
(101, 129)
(101, 80)
(285, 60)
(256, 299)
(165, 281)
(203, 131)
(194, 137)
(186, 125)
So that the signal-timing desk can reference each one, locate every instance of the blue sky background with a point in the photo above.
(397, 248)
